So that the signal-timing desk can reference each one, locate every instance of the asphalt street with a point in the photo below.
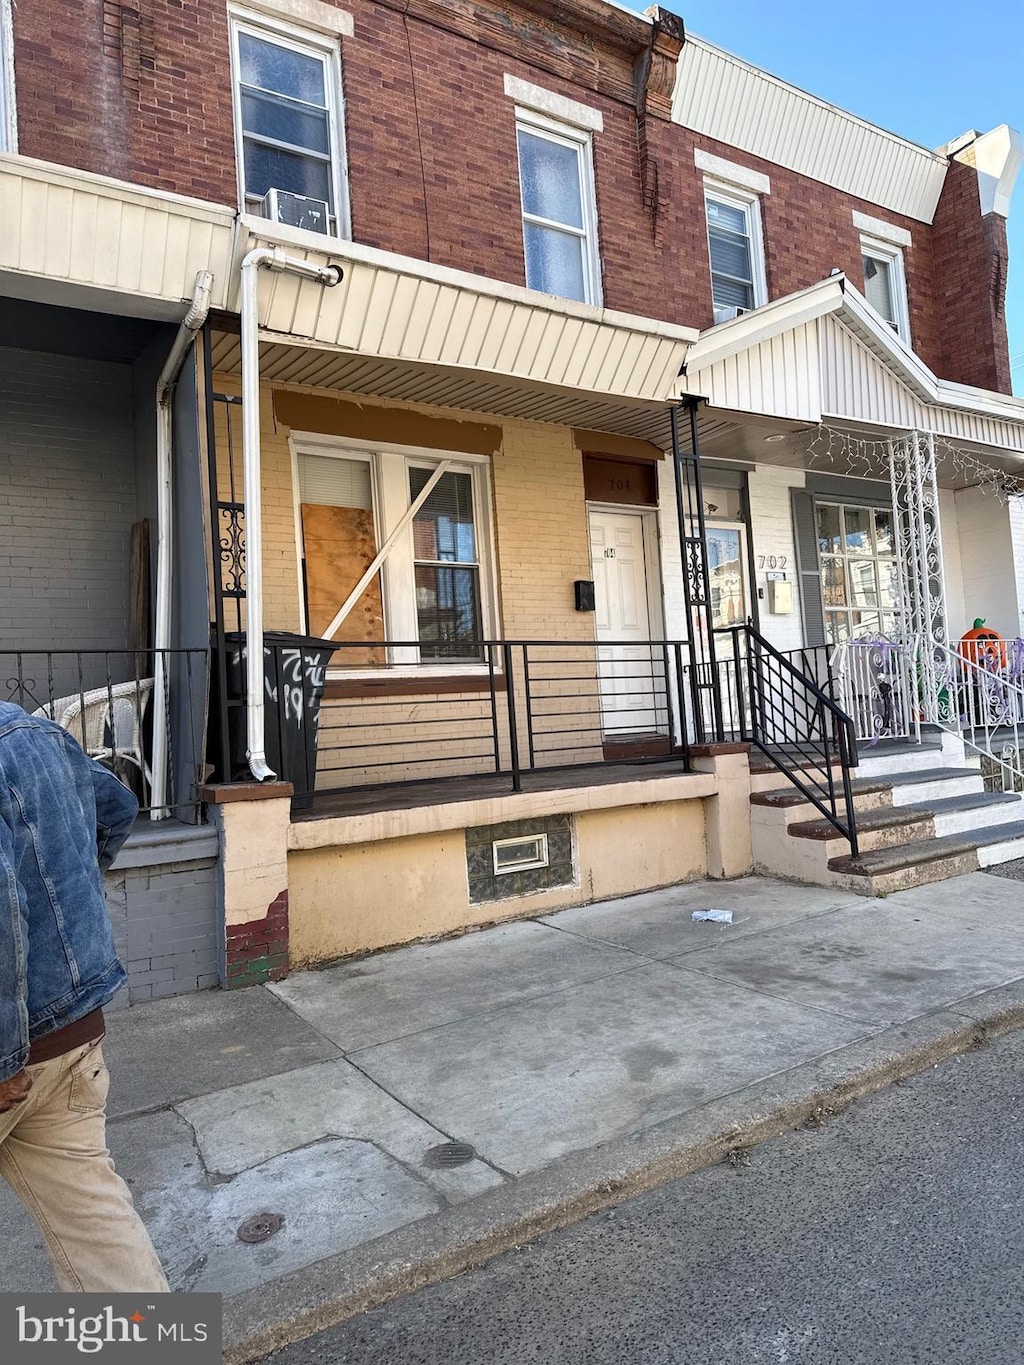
(892, 1233)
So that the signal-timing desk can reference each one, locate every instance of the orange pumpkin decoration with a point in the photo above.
(984, 647)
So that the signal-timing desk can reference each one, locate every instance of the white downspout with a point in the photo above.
(274, 258)
(165, 386)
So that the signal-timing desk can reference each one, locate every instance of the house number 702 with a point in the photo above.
(772, 561)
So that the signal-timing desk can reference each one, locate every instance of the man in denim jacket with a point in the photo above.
(62, 820)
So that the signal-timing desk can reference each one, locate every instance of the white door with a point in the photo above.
(631, 675)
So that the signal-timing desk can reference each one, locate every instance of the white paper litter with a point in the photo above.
(714, 916)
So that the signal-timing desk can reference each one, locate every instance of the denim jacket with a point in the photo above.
(62, 820)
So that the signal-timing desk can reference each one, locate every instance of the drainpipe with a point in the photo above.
(274, 258)
(165, 386)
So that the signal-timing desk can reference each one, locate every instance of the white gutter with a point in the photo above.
(274, 258)
(165, 386)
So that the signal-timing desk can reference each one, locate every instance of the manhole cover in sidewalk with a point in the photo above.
(260, 1227)
(449, 1154)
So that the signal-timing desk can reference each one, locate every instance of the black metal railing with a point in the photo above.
(793, 721)
(105, 699)
(371, 714)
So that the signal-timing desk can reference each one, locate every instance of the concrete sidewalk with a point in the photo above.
(583, 1056)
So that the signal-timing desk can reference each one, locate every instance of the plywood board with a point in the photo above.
(340, 545)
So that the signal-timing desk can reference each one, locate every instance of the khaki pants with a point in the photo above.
(53, 1154)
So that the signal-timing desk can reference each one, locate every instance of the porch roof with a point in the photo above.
(427, 333)
(823, 354)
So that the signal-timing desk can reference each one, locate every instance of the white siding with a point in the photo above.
(1016, 511)
(952, 567)
(987, 558)
(779, 376)
(727, 99)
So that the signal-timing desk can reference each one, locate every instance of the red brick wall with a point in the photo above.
(140, 89)
(970, 259)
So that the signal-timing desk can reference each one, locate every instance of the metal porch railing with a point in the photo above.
(353, 718)
(104, 699)
(791, 719)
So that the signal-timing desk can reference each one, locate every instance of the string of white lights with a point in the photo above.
(846, 454)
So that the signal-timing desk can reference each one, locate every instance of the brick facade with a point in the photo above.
(140, 89)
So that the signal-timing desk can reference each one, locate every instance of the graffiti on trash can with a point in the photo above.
(302, 681)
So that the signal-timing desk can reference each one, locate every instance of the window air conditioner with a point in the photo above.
(296, 210)
(728, 313)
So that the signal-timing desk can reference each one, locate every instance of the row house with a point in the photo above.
(440, 441)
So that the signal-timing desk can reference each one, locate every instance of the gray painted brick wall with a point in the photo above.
(67, 501)
(165, 926)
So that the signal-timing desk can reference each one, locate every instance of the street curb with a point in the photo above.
(461, 1238)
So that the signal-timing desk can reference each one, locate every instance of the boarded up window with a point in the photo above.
(339, 542)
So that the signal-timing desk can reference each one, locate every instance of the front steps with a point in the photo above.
(922, 816)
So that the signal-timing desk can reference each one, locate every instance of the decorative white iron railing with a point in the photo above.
(877, 685)
(979, 695)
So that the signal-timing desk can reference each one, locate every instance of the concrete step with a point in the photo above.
(881, 828)
(930, 860)
(962, 814)
(879, 760)
(934, 784)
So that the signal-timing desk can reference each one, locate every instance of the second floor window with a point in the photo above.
(556, 181)
(288, 117)
(885, 285)
(735, 248)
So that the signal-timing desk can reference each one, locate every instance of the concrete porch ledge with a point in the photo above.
(371, 827)
(164, 842)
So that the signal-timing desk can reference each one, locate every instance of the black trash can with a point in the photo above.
(294, 672)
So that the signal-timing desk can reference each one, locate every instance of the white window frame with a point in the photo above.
(892, 256)
(749, 203)
(311, 44)
(8, 96)
(389, 482)
(580, 139)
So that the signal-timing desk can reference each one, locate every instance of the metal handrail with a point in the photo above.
(798, 727)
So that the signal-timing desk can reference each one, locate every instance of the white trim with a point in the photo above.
(541, 859)
(310, 43)
(881, 230)
(263, 230)
(8, 92)
(892, 257)
(996, 156)
(750, 204)
(390, 494)
(731, 172)
(555, 106)
(541, 126)
(307, 14)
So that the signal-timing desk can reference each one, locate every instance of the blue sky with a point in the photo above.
(926, 69)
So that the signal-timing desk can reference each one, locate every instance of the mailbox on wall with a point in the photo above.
(583, 590)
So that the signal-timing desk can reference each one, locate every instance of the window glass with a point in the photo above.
(858, 530)
(732, 275)
(878, 288)
(285, 117)
(725, 575)
(883, 533)
(550, 174)
(447, 597)
(554, 262)
(557, 233)
(829, 534)
(859, 587)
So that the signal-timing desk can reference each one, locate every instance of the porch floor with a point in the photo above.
(446, 790)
